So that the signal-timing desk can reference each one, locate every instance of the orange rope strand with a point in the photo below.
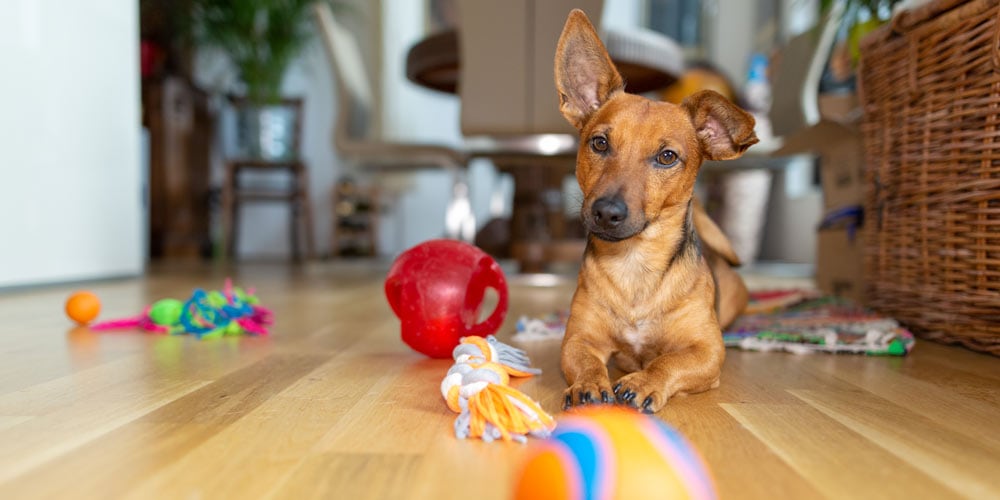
(494, 405)
(452, 399)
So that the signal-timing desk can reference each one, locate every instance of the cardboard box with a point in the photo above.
(840, 263)
(841, 157)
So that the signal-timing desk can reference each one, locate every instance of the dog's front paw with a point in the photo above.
(639, 392)
(586, 393)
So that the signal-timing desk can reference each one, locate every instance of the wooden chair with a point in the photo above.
(295, 194)
(357, 139)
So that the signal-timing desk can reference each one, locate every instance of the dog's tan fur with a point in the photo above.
(647, 294)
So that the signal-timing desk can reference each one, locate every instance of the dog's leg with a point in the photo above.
(587, 375)
(690, 370)
(585, 353)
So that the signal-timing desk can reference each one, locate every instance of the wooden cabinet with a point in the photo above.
(181, 129)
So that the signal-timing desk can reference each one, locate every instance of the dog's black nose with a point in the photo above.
(609, 212)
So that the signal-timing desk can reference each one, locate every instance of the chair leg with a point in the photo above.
(229, 211)
(306, 213)
(302, 223)
(307, 230)
(293, 227)
(234, 230)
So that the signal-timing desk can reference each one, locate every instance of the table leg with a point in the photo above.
(538, 232)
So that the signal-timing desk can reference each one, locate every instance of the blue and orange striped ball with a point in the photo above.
(608, 452)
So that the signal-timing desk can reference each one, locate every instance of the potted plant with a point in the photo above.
(261, 39)
(860, 18)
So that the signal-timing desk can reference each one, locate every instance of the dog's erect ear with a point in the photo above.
(725, 130)
(585, 75)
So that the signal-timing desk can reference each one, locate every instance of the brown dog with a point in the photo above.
(647, 292)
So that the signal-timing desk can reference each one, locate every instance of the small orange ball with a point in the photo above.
(83, 307)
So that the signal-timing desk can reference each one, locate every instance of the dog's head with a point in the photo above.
(638, 158)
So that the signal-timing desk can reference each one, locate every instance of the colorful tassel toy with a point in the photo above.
(476, 388)
(231, 311)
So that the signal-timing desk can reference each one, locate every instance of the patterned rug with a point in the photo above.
(804, 322)
(796, 321)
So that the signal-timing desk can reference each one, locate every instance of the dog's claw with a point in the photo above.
(627, 397)
(616, 388)
(568, 403)
(605, 397)
(586, 398)
(646, 403)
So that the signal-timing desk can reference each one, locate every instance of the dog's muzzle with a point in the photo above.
(608, 219)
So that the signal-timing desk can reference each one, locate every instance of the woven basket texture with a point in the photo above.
(930, 87)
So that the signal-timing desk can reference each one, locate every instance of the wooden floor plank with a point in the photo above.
(242, 411)
(729, 446)
(937, 365)
(821, 449)
(162, 436)
(963, 464)
(382, 420)
(74, 410)
(464, 468)
(11, 421)
(373, 477)
(940, 400)
(333, 404)
(971, 362)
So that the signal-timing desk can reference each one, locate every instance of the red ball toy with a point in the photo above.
(437, 289)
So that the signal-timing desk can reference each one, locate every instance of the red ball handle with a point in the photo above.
(490, 274)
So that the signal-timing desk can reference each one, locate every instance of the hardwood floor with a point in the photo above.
(333, 405)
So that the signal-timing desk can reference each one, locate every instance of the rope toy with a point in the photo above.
(476, 387)
(231, 311)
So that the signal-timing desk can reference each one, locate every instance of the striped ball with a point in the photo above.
(608, 452)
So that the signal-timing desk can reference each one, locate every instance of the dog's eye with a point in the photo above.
(666, 158)
(599, 144)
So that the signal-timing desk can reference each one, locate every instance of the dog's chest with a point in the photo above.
(636, 336)
(632, 279)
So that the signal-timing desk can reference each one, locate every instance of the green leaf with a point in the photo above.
(261, 38)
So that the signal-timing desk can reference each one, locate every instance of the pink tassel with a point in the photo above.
(141, 321)
(251, 327)
(119, 324)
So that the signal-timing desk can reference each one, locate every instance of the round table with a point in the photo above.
(647, 60)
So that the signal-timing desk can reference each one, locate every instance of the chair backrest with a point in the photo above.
(354, 90)
(507, 52)
(795, 83)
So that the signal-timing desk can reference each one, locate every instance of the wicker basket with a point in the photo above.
(930, 85)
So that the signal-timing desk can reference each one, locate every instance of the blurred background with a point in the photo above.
(301, 130)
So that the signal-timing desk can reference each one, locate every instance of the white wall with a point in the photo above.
(70, 182)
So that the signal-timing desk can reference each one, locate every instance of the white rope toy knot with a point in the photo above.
(476, 387)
